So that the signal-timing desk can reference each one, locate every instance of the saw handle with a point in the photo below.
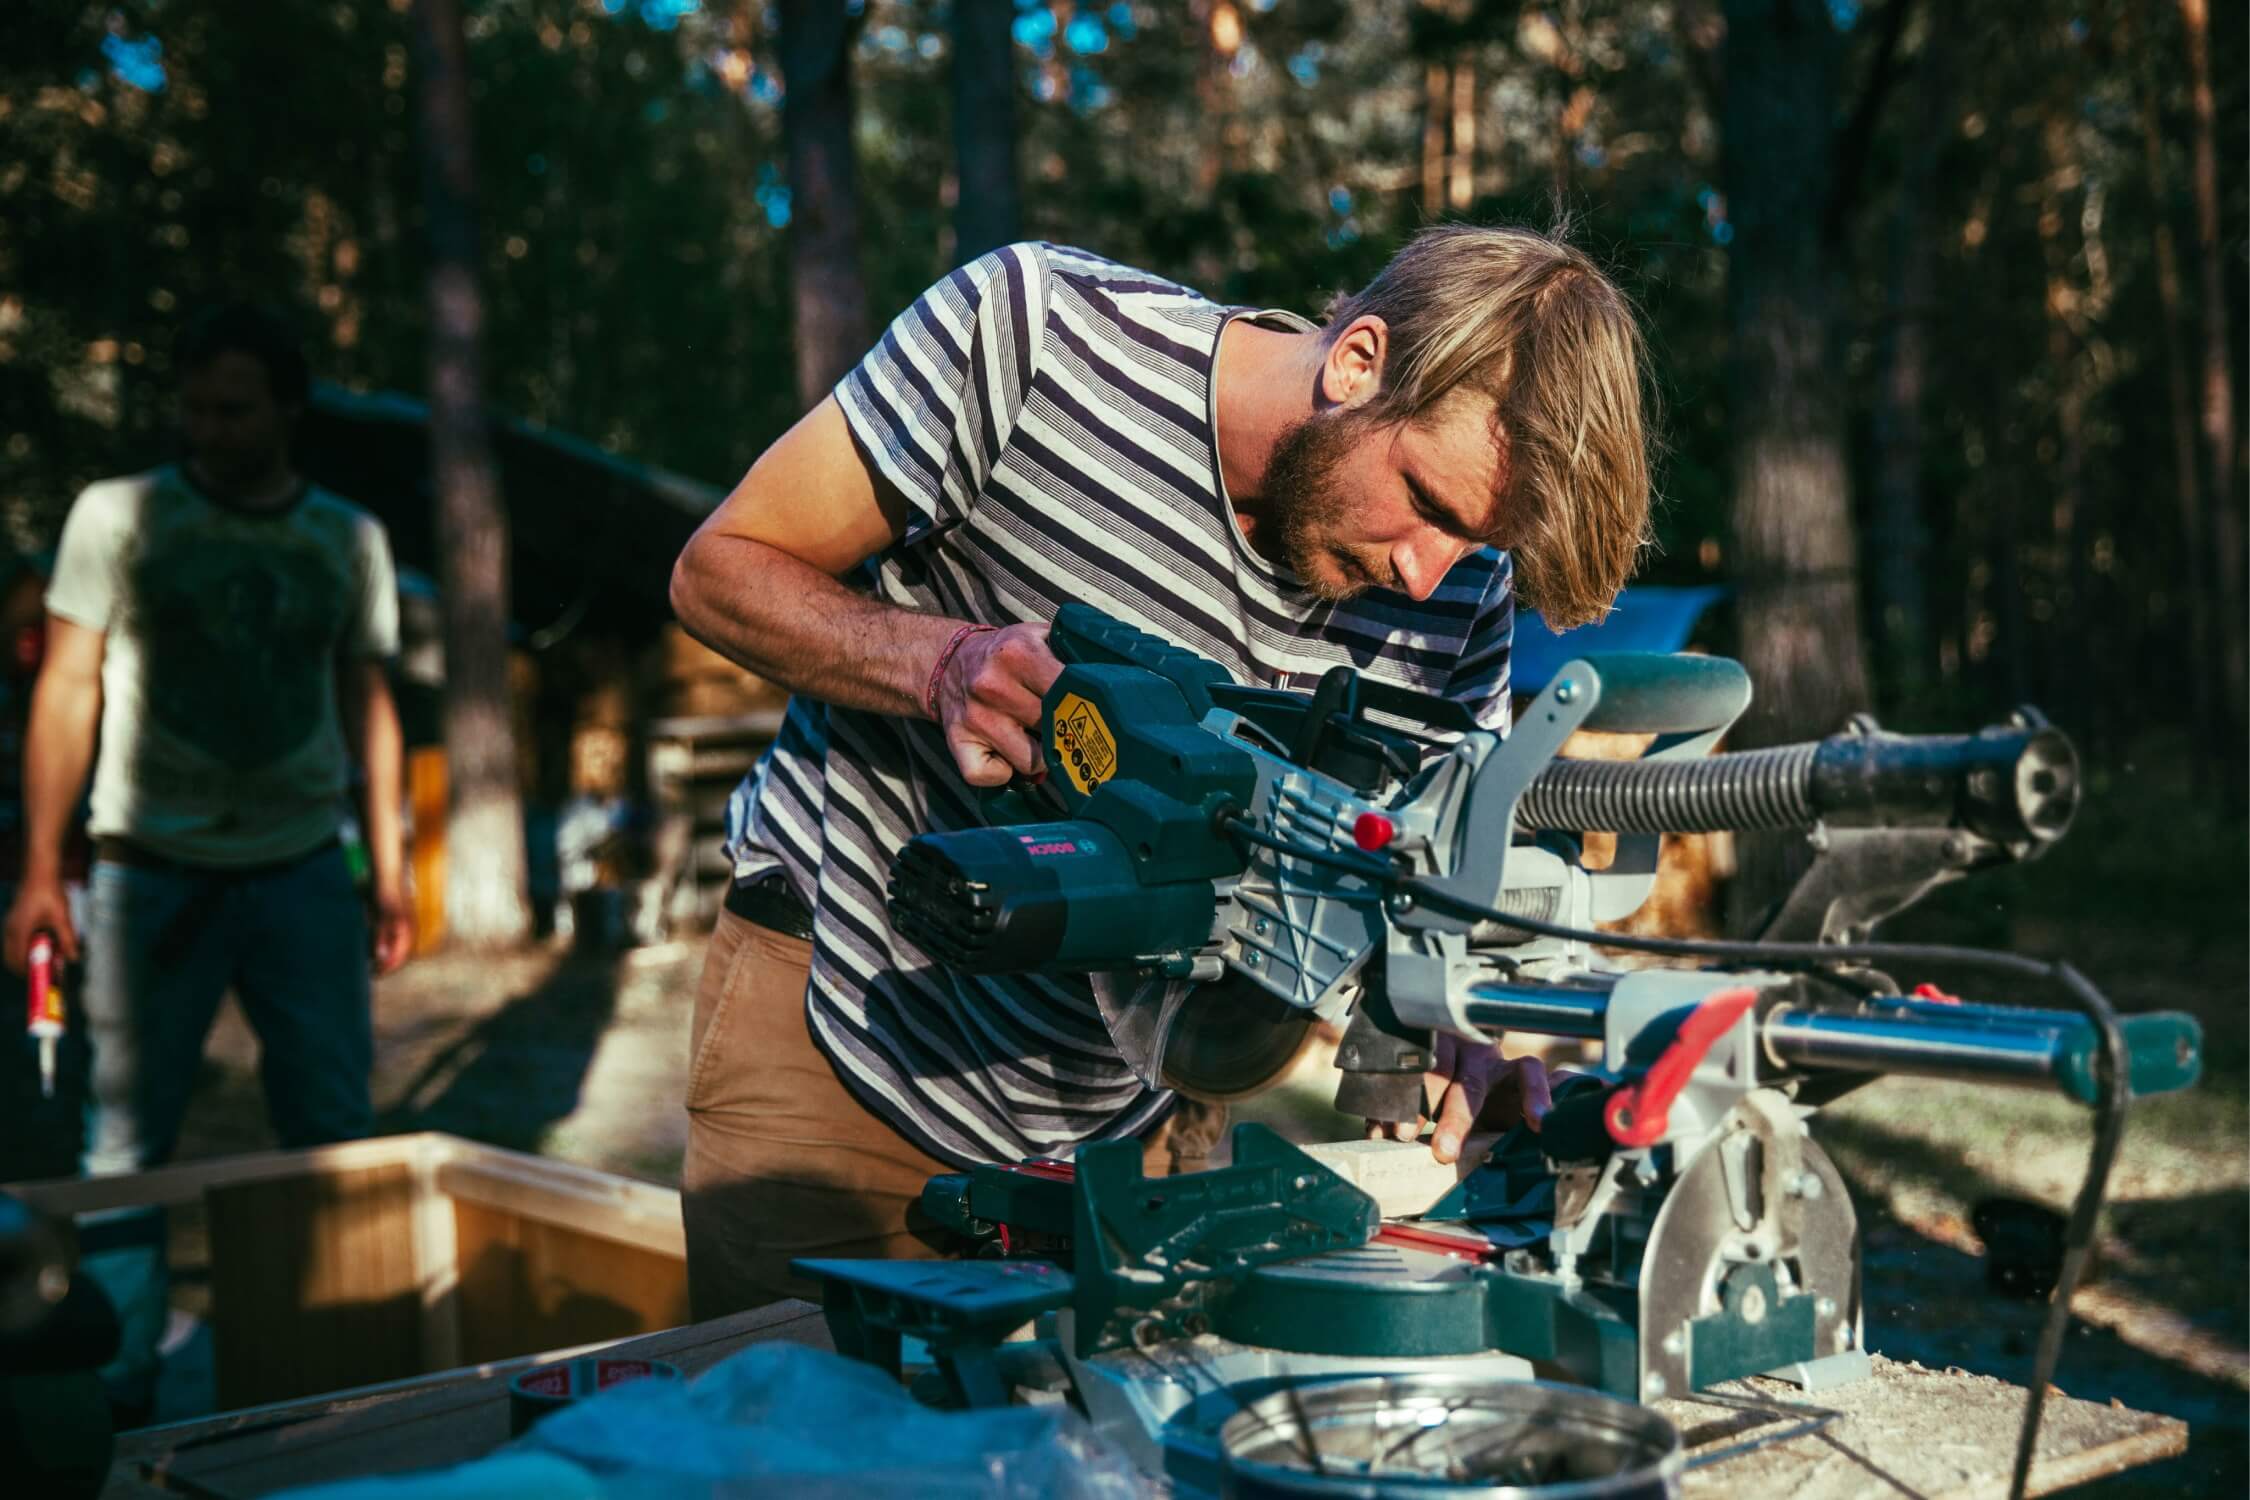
(1638, 1114)
(1654, 692)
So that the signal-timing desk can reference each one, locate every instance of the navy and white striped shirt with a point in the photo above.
(1049, 416)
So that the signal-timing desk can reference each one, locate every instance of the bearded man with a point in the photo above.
(1044, 426)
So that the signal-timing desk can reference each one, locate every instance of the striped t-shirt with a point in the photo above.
(1049, 417)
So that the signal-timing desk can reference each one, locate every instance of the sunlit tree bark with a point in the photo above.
(1460, 182)
(1434, 107)
(487, 901)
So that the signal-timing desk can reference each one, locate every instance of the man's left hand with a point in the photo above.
(394, 931)
(1466, 1076)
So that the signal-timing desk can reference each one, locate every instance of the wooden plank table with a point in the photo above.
(1907, 1434)
(1915, 1434)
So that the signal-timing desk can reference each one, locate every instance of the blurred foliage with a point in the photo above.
(155, 154)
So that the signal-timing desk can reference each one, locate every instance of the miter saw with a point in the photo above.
(1232, 863)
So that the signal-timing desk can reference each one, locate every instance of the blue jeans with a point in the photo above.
(163, 944)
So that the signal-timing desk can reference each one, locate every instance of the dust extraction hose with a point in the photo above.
(2015, 783)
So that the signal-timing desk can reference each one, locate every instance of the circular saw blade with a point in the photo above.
(1230, 1041)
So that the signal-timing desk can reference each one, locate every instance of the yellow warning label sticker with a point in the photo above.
(1083, 744)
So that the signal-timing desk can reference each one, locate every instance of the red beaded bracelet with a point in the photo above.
(945, 657)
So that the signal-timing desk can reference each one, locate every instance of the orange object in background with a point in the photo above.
(425, 808)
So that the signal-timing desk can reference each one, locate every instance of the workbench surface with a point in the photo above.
(1908, 1432)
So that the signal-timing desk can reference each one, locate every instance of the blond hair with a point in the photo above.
(1533, 323)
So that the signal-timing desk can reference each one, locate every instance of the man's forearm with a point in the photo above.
(796, 626)
(58, 752)
(382, 758)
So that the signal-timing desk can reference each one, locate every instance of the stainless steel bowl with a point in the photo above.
(1438, 1435)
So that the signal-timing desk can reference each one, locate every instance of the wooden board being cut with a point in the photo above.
(1402, 1177)
(1914, 1434)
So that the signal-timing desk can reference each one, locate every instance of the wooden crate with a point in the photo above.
(383, 1259)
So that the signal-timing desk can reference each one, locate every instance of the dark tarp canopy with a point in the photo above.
(593, 535)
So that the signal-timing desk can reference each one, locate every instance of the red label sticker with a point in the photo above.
(554, 1382)
(617, 1371)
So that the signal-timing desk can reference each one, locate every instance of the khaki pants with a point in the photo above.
(783, 1161)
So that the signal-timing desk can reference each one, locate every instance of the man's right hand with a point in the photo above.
(988, 702)
(41, 905)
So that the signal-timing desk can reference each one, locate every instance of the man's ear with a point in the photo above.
(1352, 370)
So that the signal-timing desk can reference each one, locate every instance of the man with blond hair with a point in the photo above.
(1044, 426)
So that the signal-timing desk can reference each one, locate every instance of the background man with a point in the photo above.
(1044, 426)
(212, 626)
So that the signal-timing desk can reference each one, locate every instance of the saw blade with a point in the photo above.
(1229, 1041)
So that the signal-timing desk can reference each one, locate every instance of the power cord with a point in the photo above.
(2111, 1094)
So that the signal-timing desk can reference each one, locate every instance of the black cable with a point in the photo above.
(1233, 820)
(2111, 1090)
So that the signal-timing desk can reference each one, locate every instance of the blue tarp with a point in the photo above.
(1647, 618)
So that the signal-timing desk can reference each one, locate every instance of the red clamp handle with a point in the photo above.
(1638, 1113)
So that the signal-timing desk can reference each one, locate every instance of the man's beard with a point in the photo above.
(1303, 505)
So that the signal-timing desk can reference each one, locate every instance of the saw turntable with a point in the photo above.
(1232, 863)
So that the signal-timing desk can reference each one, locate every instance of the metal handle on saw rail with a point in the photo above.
(1990, 1044)
(1972, 1043)
(2163, 1050)
(1638, 1113)
(1650, 692)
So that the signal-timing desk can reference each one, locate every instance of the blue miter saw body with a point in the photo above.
(1230, 863)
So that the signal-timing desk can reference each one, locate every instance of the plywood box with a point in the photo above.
(383, 1259)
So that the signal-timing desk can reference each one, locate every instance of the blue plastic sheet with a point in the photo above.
(783, 1419)
(1648, 617)
(504, 1476)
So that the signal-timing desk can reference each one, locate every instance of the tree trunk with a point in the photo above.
(1900, 532)
(487, 900)
(2222, 489)
(1796, 556)
(816, 120)
(2194, 561)
(2066, 666)
(1436, 103)
(1217, 37)
(989, 210)
(1461, 182)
